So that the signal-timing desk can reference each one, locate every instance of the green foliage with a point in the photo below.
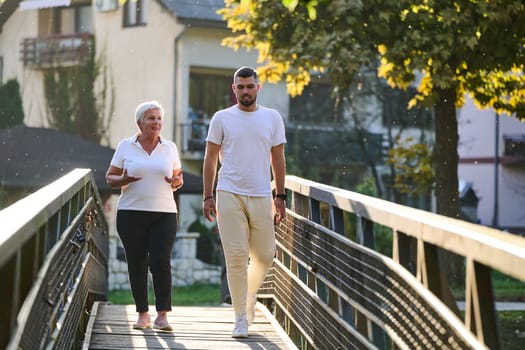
(507, 288)
(512, 328)
(72, 102)
(467, 46)
(329, 156)
(367, 187)
(208, 247)
(413, 167)
(11, 109)
(383, 235)
(446, 48)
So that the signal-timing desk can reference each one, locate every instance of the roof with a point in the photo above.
(466, 192)
(202, 13)
(7, 8)
(35, 157)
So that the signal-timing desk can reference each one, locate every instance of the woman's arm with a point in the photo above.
(116, 177)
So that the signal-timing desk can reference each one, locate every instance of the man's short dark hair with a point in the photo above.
(245, 72)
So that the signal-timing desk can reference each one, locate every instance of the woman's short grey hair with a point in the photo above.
(146, 106)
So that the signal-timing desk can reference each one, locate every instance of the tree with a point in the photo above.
(11, 110)
(447, 48)
(412, 163)
(79, 99)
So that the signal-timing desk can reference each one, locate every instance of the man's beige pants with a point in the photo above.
(247, 234)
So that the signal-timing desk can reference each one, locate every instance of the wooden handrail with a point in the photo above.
(321, 277)
(53, 262)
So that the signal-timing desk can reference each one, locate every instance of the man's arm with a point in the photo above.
(279, 172)
(209, 170)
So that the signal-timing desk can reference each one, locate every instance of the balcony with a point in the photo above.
(56, 50)
(194, 138)
(514, 152)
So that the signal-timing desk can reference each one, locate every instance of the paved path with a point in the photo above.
(501, 306)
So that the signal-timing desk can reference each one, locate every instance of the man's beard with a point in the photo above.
(247, 102)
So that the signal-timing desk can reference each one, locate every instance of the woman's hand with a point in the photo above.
(117, 177)
(176, 181)
(126, 179)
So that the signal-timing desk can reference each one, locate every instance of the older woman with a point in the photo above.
(147, 169)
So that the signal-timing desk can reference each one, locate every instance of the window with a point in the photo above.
(315, 105)
(210, 90)
(84, 20)
(514, 145)
(396, 112)
(135, 13)
(74, 19)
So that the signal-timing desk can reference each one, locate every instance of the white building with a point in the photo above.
(492, 157)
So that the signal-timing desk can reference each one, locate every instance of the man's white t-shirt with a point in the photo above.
(246, 140)
(152, 192)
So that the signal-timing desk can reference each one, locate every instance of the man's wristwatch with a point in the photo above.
(281, 196)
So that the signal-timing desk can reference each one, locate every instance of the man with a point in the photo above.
(249, 140)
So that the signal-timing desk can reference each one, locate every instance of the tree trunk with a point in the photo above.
(446, 172)
(446, 155)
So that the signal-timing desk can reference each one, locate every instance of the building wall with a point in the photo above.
(140, 62)
(477, 153)
(23, 24)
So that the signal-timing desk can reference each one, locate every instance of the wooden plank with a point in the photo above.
(194, 328)
(90, 325)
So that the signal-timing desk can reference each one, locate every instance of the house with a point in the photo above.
(163, 50)
(492, 159)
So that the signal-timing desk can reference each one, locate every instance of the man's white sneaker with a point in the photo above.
(250, 308)
(240, 330)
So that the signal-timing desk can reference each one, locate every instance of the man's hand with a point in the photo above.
(280, 210)
(208, 208)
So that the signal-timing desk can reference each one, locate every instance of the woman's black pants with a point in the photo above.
(148, 239)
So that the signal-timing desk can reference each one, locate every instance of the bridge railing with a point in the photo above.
(330, 292)
(53, 263)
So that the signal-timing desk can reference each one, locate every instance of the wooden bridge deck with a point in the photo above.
(110, 327)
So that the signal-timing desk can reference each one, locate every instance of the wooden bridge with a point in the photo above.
(194, 328)
(330, 286)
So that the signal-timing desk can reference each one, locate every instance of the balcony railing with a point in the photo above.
(194, 137)
(56, 50)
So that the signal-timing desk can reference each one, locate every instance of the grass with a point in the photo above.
(202, 295)
(507, 288)
(512, 329)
